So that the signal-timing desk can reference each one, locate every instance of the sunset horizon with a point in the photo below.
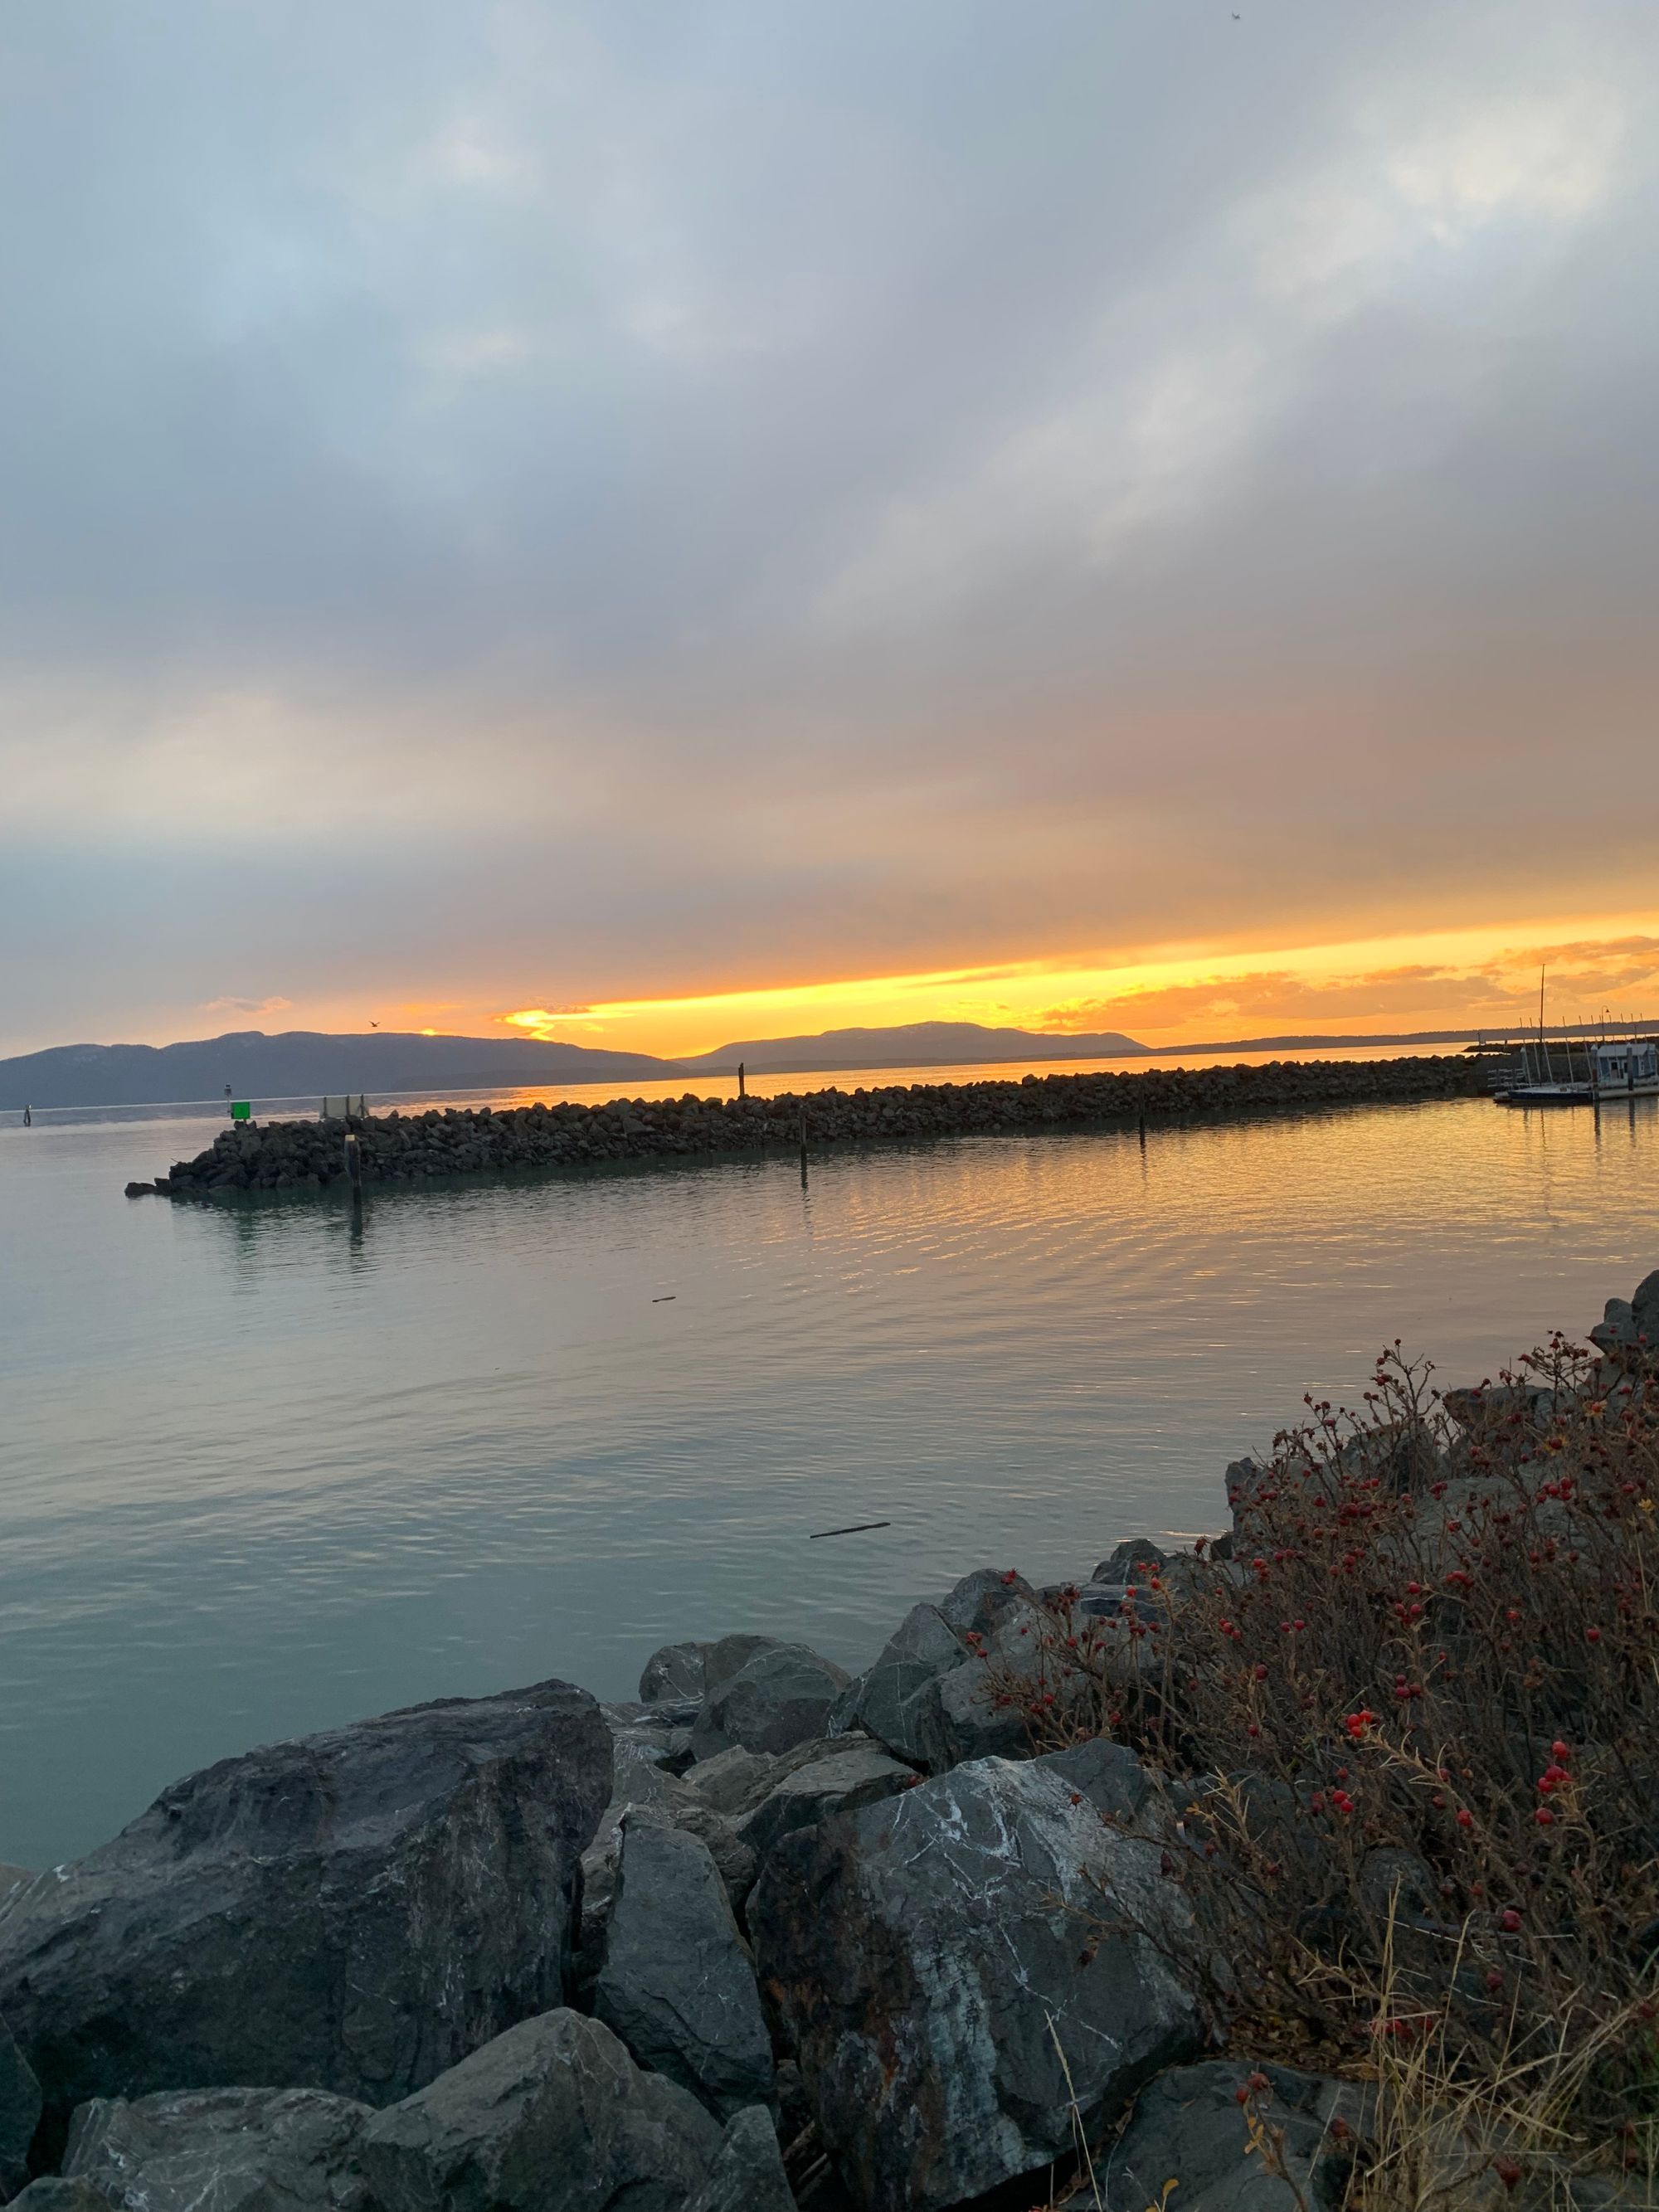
(1595, 968)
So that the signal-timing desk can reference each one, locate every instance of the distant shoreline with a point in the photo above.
(302, 1065)
(1420, 1039)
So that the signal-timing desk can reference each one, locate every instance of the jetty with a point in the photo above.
(442, 1143)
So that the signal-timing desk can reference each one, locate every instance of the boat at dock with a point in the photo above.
(1544, 1071)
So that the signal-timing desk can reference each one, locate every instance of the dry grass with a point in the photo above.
(1406, 1743)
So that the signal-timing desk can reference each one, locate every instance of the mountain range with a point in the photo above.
(304, 1063)
(299, 1063)
(907, 1044)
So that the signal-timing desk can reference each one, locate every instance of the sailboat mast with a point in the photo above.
(1543, 1049)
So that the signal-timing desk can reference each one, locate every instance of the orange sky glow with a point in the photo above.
(1461, 979)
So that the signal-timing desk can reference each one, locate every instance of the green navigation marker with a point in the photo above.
(242, 1110)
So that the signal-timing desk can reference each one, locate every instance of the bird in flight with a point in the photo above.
(374, 1025)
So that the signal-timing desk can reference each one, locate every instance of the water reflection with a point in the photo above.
(268, 1465)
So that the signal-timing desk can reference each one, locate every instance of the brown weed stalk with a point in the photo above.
(1405, 1741)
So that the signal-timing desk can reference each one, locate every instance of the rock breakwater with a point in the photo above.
(406, 1148)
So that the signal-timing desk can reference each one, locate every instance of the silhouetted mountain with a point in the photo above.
(300, 1064)
(907, 1044)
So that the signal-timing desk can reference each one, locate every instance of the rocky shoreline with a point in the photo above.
(533, 1952)
(768, 1936)
(407, 1148)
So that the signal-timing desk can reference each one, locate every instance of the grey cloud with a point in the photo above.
(993, 480)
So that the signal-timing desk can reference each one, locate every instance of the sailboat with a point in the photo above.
(1578, 1071)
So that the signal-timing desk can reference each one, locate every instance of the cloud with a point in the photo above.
(1549, 154)
(1178, 390)
(470, 152)
(541, 1021)
(232, 1006)
(1415, 194)
(480, 352)
(538, 506)
(1581, 975)
(1148, 448)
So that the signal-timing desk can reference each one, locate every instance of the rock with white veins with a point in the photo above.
(234, 2150)
(930, 1962)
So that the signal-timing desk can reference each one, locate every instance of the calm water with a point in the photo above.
(263, 1471)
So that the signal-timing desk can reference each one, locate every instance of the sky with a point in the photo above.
(658, 522)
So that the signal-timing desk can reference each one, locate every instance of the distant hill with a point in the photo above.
(307, 1063)
(300, 1064)
(907, 1044)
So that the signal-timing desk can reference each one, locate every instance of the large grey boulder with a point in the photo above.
(858, 1775)
(689, 1805)
(1616, 1331)
(729, 1656)
(981, 1716)
(234, 2150)
(982, 1601)
(20, 2114)
(715, 1801)
(675, 1671)
(897, 1700)
(552, 2117)
(599, 1863)
(647, 1741)
(1111, 1605)
(677, 1982)
(930, 1697)
(779, 1698)
(929, 1960)
(1108, 1775)
(50, 2192)
(351, 1911)
(700, 1813)
(1139, 1554)
(733, 1860)
(1244, 1478)
(1189, 2128)
(747, 2175)
(646, 1744)
(734, 1780)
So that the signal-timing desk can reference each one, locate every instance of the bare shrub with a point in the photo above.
(1407, 1745)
